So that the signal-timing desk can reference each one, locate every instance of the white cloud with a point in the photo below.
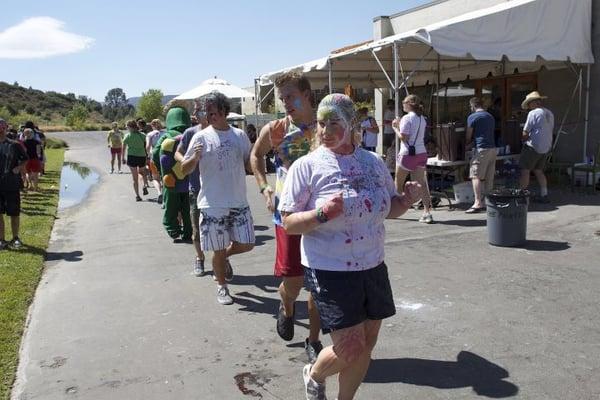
(40, 37)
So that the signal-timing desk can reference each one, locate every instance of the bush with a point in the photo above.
(53, 143)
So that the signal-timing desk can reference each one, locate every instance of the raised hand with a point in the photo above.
(413, 191)
(334, 206)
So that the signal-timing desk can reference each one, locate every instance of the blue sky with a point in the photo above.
(172, 45)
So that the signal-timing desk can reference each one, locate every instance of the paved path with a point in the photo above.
(118, 314)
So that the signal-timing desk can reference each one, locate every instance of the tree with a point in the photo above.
(77, 117)
(115, 104)
(150, 105)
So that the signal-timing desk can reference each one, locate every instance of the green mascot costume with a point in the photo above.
(175, 183)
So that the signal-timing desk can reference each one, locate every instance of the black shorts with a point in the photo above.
(345, 299)
(135, 161)
(10, 203)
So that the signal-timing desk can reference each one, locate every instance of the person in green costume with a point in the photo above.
(175, 183)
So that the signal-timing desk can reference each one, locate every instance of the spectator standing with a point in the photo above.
(537, 135)
(369, 129)
(12, 160)
(480, 137)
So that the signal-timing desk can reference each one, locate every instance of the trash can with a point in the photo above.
(507, 217)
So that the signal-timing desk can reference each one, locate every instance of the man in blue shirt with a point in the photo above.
(480, 137)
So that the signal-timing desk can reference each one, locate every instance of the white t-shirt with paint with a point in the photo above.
(370, 139)
(411, 125)
(222, 167)
(354, 240)
(153, 136)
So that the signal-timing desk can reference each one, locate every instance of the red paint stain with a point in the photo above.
(348, 241)
(369, 205)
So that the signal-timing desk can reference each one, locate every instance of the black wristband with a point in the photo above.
(321, 217)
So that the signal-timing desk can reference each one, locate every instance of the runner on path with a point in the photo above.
(134, 145)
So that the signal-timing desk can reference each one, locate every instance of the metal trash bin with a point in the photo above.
(507, 217)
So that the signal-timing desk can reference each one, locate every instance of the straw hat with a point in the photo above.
(531, 97)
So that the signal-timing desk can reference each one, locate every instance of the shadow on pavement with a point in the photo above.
(265, 305)
(261, 228)
(260, 240)
(469, 370)
(546, 245)
(71, 256)
(463, 222)
(266, 283)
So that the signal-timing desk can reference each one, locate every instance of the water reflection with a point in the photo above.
(75, 183)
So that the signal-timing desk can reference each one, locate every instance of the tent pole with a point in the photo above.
(437, 90)
(383, 69)
(330, 76)
(396, 94)
(587, 112)
(256, 94)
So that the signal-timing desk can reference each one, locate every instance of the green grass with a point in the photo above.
(20, 270)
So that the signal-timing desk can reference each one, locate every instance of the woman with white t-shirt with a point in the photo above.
(337, 197)
(412, 157)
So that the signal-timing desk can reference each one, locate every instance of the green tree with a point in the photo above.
(150, 105)
(115, 104)
(77, 116)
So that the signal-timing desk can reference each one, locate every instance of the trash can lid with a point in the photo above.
(507, 193)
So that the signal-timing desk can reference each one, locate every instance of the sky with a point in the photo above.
(89, 47)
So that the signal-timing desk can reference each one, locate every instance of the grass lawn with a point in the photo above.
(20, 270)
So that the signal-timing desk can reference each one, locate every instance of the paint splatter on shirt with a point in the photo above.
(355, 240)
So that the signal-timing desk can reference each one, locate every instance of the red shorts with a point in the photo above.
(33, 165)
(115, 150)
(287, 256)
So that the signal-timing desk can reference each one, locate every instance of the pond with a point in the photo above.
(75, 183)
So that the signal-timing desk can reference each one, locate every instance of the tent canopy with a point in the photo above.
(517, 34)
(211, 85)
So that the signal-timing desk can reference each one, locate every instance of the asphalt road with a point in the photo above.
(118, 314)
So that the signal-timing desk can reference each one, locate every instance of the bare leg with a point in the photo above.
(34, 180)
(14, 224)
(219, 264)
(144, 174)
(349, 356)
(238, 248)
(350, 378)
(289, 289)
(134, 176)
(119, 160)
(401, 175)
(477, 191)
(541, 178)
(420, 175)
(199, 252)
(112, 161)
(314, 323)
(524, 181)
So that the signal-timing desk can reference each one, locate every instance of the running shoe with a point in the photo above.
(312, 350)
(426, 218)
(199, 267)
(138, 198)
(159, 200)
(223, 296)
(313, 389)
(3, 244)
(285, 325)
(16, 243)
(145, 191)
(228, 271)
(112, 171)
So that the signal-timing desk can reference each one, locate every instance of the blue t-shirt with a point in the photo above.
(483, 125)
(194, 176)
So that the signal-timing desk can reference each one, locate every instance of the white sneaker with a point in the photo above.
(223, 296)
(426, 218)
(313, 389)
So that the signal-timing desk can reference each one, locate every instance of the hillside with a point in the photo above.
(135, 100)
(18, 104)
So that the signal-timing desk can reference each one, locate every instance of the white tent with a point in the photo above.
(516, 34)
(211, 85)
(523, 34)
